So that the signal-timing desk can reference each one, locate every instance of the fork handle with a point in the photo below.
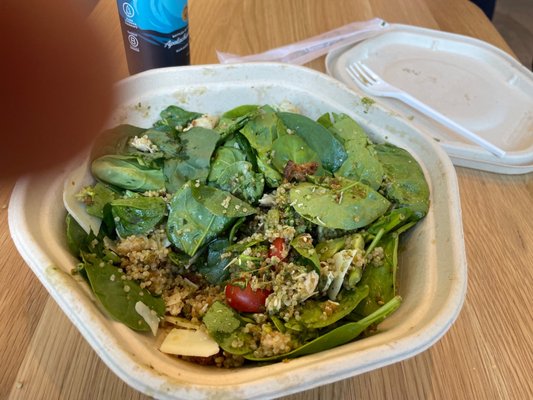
(442, 119)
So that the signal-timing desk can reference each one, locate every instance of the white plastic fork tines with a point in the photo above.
(368, 80)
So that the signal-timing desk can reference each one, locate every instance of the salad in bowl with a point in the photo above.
(257, 235)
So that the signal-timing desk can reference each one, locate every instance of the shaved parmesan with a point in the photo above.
(341, 263)
(148, 315)
(189, 342)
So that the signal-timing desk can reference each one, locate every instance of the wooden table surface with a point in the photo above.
(488, 352)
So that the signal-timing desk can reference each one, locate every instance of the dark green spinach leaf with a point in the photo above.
(176, 118)
(338, 336)
(198, 144)
(119, 296)
(137, 215)
(380, 277)
(404, 183)
(319, 139)
(339, 204)
(190, 223)
(128, 172)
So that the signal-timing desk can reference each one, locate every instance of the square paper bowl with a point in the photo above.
(432, 278)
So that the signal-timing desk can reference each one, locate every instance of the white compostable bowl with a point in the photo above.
(432, 262)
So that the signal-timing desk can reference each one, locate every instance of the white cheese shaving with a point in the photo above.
(187, 342)
(341, 263)
(148, 315)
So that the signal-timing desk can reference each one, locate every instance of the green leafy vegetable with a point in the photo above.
(314, 316)
(138, 215)
(303, 244)
(313, 263)
(119, 296)
(175, 118)
(190, 223)
(223, 324)
(341, 204)
(77, 238)
(338, 336)
(380, 277)
(214, 269)
(127, 172)
(194, 158)
(233, 120)
(404, 182)
(318, 138)
(220, 202)
(263, 130)
(240, 180)
(294, 148)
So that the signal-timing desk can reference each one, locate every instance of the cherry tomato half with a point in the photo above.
(247, 299)
(277, 249)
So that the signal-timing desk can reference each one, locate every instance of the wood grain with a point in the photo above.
(488, 352)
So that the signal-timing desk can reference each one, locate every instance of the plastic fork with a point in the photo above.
(373, 84)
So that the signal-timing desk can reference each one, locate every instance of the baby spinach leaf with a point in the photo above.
(346, 129)
(224, 157)
(294, 148)
(115, 141)
(137, 215)
(304, 246)
(391, 221)
(77, 238)
(404, 182)
(224, 325)
(194, 159)
(175, 117)
(318, 138)
(314, 315)
(272, 177)
(338, 336)
(220, 202)
(325, 120)
(380, 277)
(327, 248)
(362, 163)
(344, 205)
(240, 180)
(167, 142)
(263, 129)
(100, 195)
(119, 296)
(233, 120)
(127, 172)
(214, 270)
(190, 223)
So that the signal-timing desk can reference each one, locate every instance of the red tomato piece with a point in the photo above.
(277, 249)
(246, 299)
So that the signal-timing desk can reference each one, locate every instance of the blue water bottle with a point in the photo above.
(155, 32)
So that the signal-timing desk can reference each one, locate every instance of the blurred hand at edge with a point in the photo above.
(56, 89)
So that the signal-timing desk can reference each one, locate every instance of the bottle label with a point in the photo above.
(155, 33)
(163, 16)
